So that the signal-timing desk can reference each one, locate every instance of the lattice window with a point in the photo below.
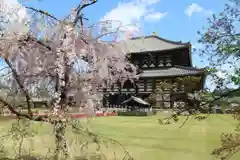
(144, 65)
(161, 63)
(152, 61)
(168, 62)
(145, 62)
(152, 65)
(164, 61)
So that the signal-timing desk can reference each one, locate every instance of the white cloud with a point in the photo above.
(196, 8)
(134, 13)
(155, 16)
(149, 2)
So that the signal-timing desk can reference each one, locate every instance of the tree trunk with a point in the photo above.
(60, 142)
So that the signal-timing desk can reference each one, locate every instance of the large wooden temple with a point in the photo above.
(159, 60)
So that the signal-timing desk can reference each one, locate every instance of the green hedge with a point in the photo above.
(134, 113)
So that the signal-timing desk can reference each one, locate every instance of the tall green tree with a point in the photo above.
(221, 41)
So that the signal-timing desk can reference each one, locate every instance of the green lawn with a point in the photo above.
(145, 139)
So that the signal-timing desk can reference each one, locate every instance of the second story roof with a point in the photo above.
(152, 43)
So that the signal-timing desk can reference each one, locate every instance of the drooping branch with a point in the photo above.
(18, 80)
(42, 12)
(54, 58)
(23, 42)
(98, 137)
(13, 110)
(81, 6)
(20, 114)
(200, 108)
(225, 94)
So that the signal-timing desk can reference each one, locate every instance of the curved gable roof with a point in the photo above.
(172, 71)
(153, 43)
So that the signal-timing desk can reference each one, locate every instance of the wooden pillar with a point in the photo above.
(112, 87)
(136, 87)
(158, 99)
(153, 84)
(171, 101)
(145, 85)
(119, 87)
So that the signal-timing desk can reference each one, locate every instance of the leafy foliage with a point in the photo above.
(222, 45)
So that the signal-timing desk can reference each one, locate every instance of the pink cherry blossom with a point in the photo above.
(49, 56)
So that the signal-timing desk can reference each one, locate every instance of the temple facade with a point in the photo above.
(158, 60)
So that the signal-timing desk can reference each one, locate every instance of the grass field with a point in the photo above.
(145, 139)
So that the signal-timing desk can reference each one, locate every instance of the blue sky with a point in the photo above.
(171, 19)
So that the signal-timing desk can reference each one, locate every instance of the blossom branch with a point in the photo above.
(11, 108)
(191, 109)
(17, 78)
(80, 7)
(43, 12)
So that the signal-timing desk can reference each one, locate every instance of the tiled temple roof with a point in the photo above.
(172, 71)
(152, 43)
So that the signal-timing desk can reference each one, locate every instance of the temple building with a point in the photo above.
(159, 60)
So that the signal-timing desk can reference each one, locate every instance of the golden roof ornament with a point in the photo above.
(155, 33)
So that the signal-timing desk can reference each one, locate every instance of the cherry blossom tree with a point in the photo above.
(39, 48)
